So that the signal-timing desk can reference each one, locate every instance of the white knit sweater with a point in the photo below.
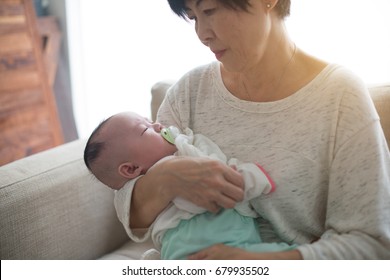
(323, 146)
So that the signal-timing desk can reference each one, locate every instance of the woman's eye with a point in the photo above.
(191, 17)
(209, 12)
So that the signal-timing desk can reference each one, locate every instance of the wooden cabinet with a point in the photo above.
(29, 120)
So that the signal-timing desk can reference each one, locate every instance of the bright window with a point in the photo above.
(120, 48)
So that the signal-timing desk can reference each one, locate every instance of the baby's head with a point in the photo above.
(123, 147)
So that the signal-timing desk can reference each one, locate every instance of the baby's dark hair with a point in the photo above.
(282, 7)
(94, 148)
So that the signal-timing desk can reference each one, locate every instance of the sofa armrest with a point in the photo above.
(52, 208)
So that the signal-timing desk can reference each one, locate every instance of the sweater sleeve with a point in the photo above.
(357, 217)
(356, 227)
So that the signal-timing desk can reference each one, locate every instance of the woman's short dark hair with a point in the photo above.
(282, 7)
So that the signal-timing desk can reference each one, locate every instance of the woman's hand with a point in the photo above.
(205, 182)
(223, 252)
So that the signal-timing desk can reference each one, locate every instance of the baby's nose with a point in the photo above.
(157, 127)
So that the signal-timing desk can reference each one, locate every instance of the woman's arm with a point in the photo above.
(207, 183)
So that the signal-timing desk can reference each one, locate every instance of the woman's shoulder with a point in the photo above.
(200, 72)
(352, 92)
(337, 82)
(195, 80)
(344, 82)
(181, 94)
(324, 74)
(335, 74)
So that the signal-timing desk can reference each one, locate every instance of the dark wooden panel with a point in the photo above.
(51, 39)
(25, 140)
(29, 121)
(17, 61)
(23, 118)
(15, 42)
(12, 18)
(19, 80)
(13, 101)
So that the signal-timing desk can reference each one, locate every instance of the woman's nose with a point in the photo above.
(204, 32)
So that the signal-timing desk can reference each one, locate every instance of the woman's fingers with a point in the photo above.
(207, 183)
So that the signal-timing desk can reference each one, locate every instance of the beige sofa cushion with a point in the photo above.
(381, 97)
(52, 208)
(158, 91)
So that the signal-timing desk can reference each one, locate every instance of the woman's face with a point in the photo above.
(237, 38)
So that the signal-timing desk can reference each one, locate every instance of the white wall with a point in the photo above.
(354, 33)
(120, 48)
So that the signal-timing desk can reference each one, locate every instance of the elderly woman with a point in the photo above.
(311, 124)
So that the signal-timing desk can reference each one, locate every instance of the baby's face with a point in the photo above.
(139, 139)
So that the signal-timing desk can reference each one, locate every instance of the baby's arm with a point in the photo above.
(257, 181)
(122, 203)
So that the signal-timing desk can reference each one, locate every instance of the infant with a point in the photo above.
(126, 145)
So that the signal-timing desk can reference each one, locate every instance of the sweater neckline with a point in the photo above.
(272, 106)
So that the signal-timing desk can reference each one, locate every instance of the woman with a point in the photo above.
(311, 124)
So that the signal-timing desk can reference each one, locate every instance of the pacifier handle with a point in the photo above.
(167, 135)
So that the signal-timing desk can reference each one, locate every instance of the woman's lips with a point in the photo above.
(219, 54)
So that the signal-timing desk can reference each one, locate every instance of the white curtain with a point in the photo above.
(120, 48)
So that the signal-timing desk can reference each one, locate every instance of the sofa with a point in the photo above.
(51, 207)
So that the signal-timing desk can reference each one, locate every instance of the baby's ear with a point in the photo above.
(129, 170)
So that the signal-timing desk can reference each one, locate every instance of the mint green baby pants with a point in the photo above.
(201, 231)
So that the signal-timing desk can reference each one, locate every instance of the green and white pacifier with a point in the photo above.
(167, 134)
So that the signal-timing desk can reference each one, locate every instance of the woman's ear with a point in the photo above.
(129, 170)
(270, 4)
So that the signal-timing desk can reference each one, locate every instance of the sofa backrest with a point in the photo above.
(380, 95)
(52, 208)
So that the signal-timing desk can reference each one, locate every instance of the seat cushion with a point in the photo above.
(129, 251)
(52, 208)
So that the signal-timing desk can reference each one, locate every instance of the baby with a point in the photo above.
(126, 145)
